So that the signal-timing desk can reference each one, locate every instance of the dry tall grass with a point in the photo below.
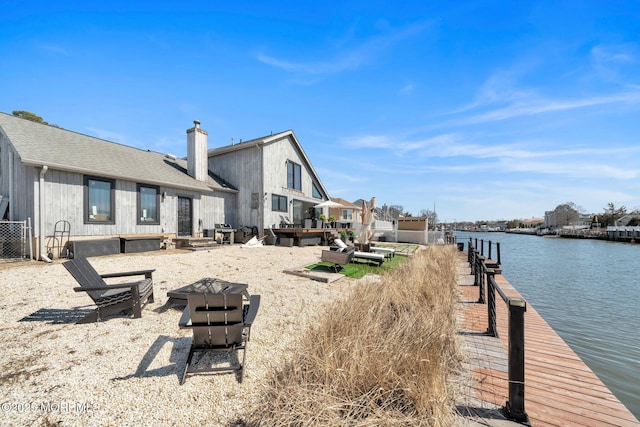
(384, 356)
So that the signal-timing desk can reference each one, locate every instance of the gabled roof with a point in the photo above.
(266, 140)
(347, 204)
(39, 145)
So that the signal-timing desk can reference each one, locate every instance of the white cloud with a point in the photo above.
(55, 49)
(406, 89)
(613, 54)
(336, 65)
(107, 135)
(347, 59)
(337, 176)
(575, 169)
(543, 106)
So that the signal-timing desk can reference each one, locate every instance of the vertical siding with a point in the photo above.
(243, 170)
(168, 210)
(4, 165)
(14, 182)
(218, 208)
(19, 204)
(276, 155)
(263, 170)
(230, 208)
(64, 200)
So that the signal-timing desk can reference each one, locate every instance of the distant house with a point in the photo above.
(274, 178)
(105, 189)
(348, 213)
(627, 219)
(532, 222)
(551, 220)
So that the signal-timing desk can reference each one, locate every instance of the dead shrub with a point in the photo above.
(383, 356)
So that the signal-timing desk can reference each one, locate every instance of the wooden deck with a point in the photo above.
(560, 389)
(299, 231)
(304, 236)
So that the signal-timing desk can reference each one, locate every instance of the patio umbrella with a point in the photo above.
(368, 215)
(329, 204)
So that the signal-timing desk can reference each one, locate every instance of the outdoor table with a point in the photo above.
(208, 285)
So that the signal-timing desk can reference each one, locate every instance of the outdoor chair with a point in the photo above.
(271, 237)
(387, 252)
(221, 323)
(368, 256)
(110, 298)
(285, 222)
(338, 258)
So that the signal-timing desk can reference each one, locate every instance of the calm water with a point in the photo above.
(589, 292)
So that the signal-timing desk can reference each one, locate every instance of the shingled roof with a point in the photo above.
(39, 145)
(346, 203)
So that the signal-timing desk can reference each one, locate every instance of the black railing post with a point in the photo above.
(478, 264)
(491, 303)
(489, 254)
(472, 260)
(514, 408)
(480, 279)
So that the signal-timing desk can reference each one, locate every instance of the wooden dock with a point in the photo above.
(560, 389)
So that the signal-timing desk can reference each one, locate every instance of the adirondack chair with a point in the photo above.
(114, 298)
(220, 323)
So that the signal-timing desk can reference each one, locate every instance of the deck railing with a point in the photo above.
(484, 270)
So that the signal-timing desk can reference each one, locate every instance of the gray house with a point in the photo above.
(274, 178)
(104, 189)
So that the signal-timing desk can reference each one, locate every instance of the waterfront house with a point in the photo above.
(348, 213)
(532, 222)
(628, 219)
(274, 178)
(102, 189)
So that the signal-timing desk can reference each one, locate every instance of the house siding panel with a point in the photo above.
(243, 170)
(4, 165)
(20, 206)
(13, 184)
(64, 200)
(218, 208)
(276, 154)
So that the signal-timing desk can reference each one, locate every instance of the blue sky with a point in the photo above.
(483, 109)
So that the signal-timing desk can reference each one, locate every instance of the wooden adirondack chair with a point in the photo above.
(220, 323)
(114, 298)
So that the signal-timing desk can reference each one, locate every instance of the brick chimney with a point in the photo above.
(197, 161)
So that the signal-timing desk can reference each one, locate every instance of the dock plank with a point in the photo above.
(560, 389)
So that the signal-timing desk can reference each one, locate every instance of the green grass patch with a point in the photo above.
(359, 268)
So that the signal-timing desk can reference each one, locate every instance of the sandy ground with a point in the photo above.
(126, 371)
